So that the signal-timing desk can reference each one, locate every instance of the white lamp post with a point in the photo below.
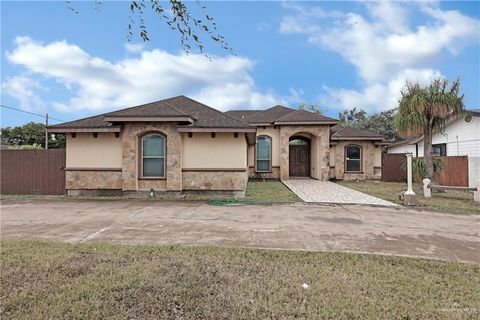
(410, 199)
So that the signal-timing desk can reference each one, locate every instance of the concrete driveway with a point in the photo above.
(311, 190)
(301, 226)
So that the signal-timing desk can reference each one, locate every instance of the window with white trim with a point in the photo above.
(353, 159)
(263, 153)
(153, 156)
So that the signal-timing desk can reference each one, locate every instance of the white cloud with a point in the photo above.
(98, 84)
(292, 24)
(384, 48)
(377, 96)
(304, 20)
(24, 90)
(377, 52)
(391, 15)
(134, 47)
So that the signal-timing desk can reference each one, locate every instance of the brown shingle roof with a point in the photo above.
(89, 122)
(339, 132)
(162, 108)
(241, 114)
(280, 115)
(270, 115)
(203, 116)
(304, 116)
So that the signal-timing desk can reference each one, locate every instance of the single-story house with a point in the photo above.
(181, 145)
(461, 138)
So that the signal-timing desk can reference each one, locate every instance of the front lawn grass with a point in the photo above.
(269, 191)
(257, 192)
(47, 280)
(451, 201)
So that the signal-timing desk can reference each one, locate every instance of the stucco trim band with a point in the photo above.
(214, 169)
(93, 169)
(192, 129)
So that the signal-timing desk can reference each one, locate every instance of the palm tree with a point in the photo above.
(424, 110)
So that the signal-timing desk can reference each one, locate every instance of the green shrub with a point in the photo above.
(419, 167)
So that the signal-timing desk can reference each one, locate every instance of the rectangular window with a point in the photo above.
(263, 156)
(153, 156)
(353, 159)
(439, 150)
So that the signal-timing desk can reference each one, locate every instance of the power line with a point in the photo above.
(32, 113)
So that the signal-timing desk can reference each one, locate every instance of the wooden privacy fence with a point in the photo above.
(32, 171)
(392, 170)
(454, 173)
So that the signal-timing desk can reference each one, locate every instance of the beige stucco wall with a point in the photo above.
(274, 133)
(85, 151)
(377, 159)
(204, 152)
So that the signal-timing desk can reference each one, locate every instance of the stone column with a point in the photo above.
(284, 153)
(131, 132)
(323, 136)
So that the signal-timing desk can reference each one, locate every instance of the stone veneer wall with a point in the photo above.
(90, 180)
(321, 136)
(130, 143)
(369, 171)
(215, 180)
(275, 174)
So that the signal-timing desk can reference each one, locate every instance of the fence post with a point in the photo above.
(476, 194)
(410, 199)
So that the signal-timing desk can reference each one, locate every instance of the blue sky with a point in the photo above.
(335, 54)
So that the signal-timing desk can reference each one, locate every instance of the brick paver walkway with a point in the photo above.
(311, 190)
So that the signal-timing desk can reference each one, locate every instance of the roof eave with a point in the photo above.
(83, 129)
(304, 122)
(216, 129)
(357, 138)
(407, 142)
(261, 124)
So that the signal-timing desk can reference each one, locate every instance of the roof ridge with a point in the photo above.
(275, 106)
(176, 109)
(372, 133)
(149, 103)
(288, 114)
(67, 122)
(223, 113)
(137, 106)
(342, 128)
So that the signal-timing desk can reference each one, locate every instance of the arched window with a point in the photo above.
(263, 154)
(353, 159)
(153, 156)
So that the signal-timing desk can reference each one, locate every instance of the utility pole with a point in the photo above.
(46, 132)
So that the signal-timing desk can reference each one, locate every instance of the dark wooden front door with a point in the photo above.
(299, 160)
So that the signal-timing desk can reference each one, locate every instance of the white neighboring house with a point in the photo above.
(461, 138)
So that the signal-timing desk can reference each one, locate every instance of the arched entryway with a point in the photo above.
(299, 156)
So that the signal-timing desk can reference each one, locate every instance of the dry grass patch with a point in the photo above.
(451, 201)
(45, 280)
